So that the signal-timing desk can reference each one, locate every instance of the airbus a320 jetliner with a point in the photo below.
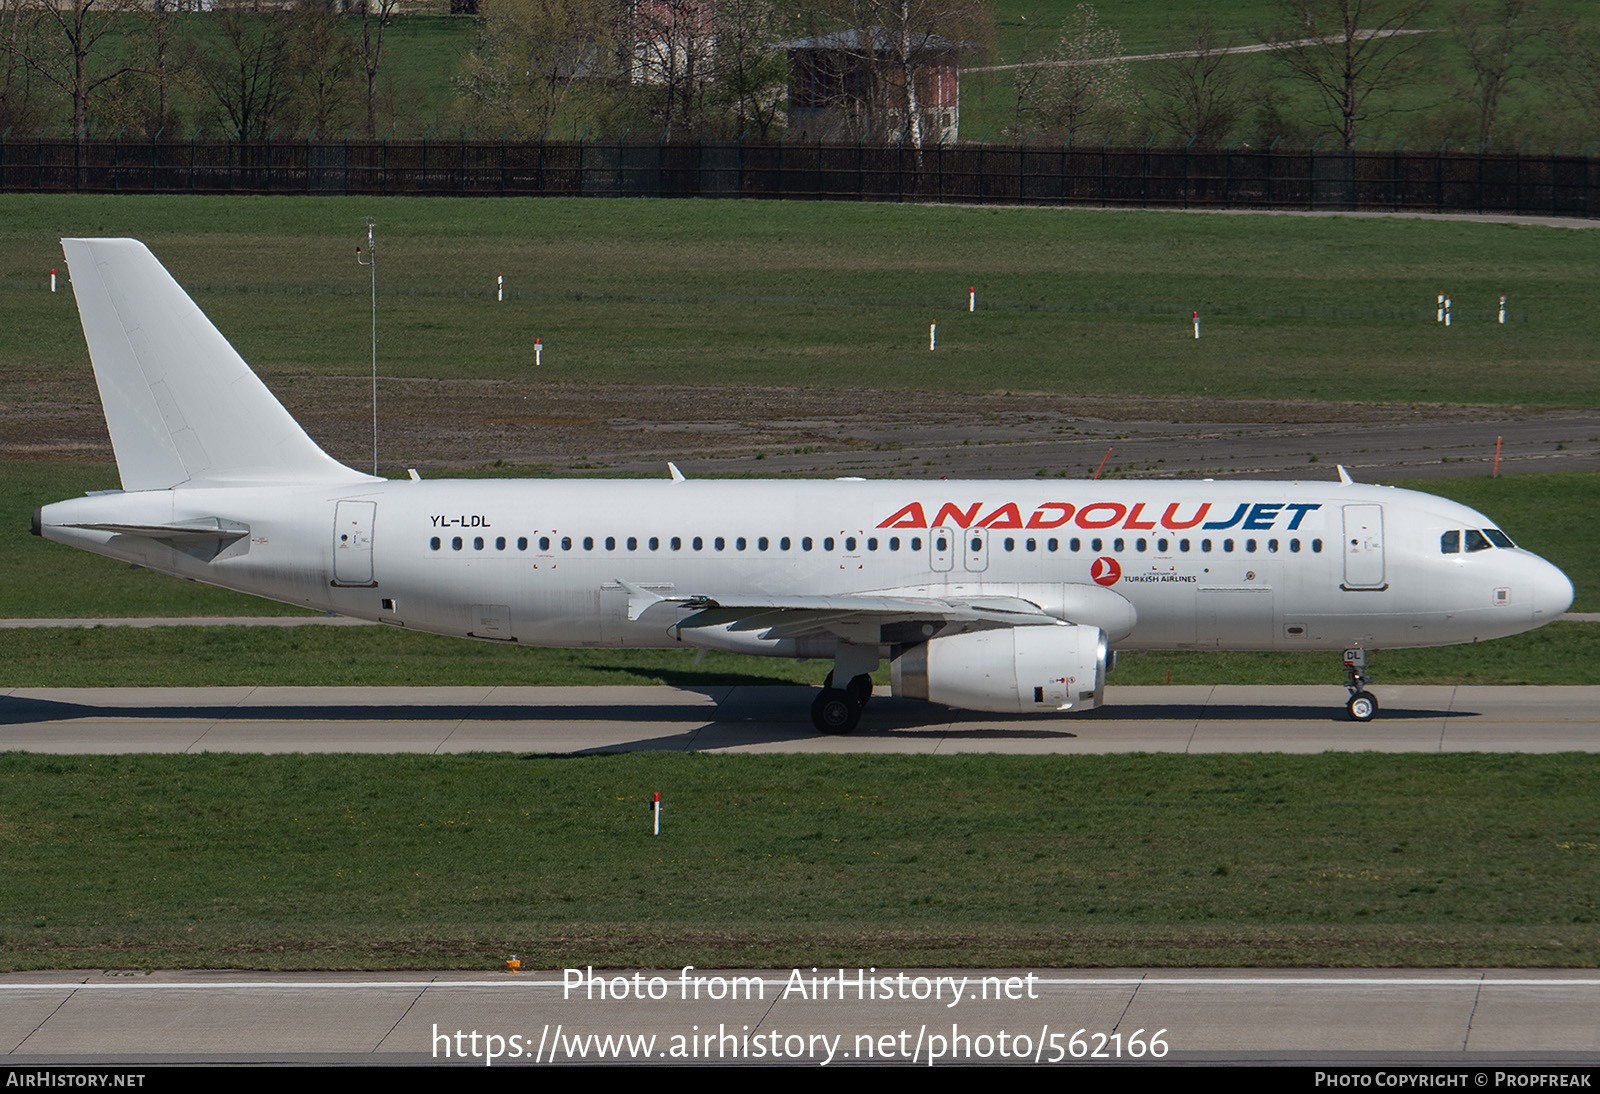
(994, 596)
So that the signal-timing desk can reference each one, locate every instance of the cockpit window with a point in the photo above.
(1450, 543)
(1477, 541)
(1498, 538)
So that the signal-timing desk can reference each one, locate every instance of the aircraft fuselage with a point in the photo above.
(1208, 565)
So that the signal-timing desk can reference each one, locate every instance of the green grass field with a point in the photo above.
(457, 862)
(840, 295)
(1418, 108)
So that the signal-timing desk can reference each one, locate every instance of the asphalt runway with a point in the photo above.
(1461, 1019)
(1194, 718)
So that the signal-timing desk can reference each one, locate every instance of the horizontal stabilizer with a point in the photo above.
(205, 538)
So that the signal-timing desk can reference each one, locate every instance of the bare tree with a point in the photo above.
(1580, 54)
(1351, 52)
(158, 43)
(18, 105)
(376, 15)
(245, 65)
(71, 45)
(1496, 43)
(322, 66)
(904, 47)
(526, 57)
(749, 77)
(1082, 83)
(673, 50)
(1199, 91)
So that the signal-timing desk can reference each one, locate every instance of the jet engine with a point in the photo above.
(1009, 670)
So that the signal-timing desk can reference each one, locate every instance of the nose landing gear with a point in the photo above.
(1363, 704)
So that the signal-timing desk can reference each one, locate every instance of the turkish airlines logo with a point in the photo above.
(1105, 571)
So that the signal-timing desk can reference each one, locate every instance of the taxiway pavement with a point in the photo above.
(1192, 718)
(1467, 1019)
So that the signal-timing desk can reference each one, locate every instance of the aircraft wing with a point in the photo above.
(798, 616)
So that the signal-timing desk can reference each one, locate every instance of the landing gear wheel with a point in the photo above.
(834, 711)
(860, 690)
(1362, 706)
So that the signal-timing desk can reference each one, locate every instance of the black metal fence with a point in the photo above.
(1232, 178)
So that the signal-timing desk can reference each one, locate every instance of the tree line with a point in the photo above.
(1334, 71)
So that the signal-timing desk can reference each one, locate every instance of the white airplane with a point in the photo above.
(984, 595)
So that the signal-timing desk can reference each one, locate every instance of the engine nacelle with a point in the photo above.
(1009, 670)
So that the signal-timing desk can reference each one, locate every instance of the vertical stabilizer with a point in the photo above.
(181, 404)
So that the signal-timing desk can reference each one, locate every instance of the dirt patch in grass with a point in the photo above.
(530, 427)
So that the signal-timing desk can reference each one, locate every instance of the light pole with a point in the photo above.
(371, 262)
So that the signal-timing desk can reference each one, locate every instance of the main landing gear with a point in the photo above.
(838, 710)
(1363, 704)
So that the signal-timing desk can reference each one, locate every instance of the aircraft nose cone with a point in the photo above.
(1552, 593)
